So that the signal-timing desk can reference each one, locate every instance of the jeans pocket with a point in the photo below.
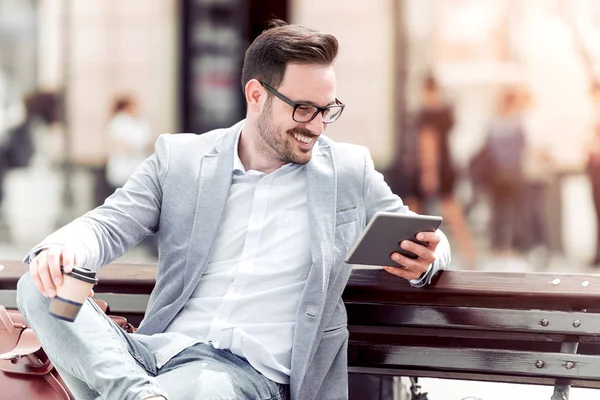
(284, 391)
(140, 353)
(137, 350)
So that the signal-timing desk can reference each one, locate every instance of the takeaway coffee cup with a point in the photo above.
(72, 293)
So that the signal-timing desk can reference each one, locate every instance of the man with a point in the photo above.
(254, 223)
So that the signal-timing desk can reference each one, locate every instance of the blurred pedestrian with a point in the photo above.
(505, 146)
(17, 149)
(436, 174)
(129, 141)
(538, 168)
(593, 166)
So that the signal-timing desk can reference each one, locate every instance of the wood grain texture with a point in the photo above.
(114, 278)
(469, 376)
(537, 321)
(376, 285)
(492, 361)
(484, 282)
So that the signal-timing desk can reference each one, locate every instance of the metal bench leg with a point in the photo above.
(561, 390)
(562, 387)
(415, 390)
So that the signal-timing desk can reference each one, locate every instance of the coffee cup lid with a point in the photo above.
(83, 274)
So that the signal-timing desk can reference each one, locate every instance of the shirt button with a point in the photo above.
(235, 289)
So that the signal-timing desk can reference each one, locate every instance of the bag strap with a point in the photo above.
(102, 304)
(27, 345)
(57, 386)
(13, 328)
(29, 349)
(6, 320)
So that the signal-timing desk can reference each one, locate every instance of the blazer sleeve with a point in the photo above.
(379, 197)
(126, 217)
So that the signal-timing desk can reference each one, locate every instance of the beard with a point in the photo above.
(281, 145)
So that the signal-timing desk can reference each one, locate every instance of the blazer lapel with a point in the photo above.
(321, 202)
(321, 186)
(215, 180)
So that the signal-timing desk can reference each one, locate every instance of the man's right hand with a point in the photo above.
(45, 268)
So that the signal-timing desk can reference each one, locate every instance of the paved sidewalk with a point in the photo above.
(446, 389)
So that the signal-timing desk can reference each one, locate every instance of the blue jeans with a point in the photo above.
(98, 360)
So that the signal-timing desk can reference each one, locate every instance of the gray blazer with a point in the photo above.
(180, 192)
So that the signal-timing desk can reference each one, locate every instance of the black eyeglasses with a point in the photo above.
(304, 113)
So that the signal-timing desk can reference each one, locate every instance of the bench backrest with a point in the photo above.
(513, 327)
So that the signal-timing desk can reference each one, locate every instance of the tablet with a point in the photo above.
(383, 235)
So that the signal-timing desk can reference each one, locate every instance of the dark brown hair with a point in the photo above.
(44, 105)
(281, 44)
(430, 84)
(121, 103)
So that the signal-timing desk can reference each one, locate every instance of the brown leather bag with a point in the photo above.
(25, 370)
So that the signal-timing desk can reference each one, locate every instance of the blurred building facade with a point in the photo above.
(181, 60)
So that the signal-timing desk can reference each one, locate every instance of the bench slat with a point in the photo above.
(484, 283)
(471, 376)
(552, 322)
(503, 362)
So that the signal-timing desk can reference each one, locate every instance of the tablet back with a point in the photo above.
(383, 235)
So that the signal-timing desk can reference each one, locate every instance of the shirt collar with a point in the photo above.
(237, 163)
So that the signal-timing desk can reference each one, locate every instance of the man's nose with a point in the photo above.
(316, 126)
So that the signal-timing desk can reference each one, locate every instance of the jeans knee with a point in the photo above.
(28, 296)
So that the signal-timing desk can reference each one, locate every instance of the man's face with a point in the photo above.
(431, 97)
(282, 137)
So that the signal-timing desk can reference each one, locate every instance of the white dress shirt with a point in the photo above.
(248, 296)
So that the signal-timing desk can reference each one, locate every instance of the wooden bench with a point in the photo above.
(534, 328)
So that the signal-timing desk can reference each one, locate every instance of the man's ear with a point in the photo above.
(254, 91)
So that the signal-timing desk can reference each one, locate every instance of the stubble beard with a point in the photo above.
(279, 147)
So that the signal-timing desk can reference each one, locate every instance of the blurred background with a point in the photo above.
(486, 112)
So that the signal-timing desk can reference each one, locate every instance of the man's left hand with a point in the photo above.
(414, 268)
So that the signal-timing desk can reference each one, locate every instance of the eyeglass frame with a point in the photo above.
(295, 105)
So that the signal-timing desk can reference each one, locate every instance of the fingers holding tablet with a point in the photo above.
(424, 253)
(405, 273)
(431, 238)
(411, 237)
(413, 268)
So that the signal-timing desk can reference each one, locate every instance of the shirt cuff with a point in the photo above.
(425, 279)
(442, 260)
